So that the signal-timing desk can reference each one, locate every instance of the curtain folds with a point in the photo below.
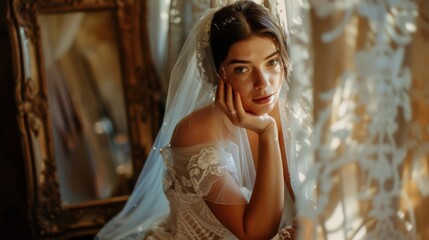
(370, 133)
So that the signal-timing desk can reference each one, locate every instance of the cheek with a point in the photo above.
(278, 80)
(245, 91)
(242, 87)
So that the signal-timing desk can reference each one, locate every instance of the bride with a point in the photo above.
(219, 166)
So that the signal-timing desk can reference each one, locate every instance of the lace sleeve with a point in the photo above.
(207, 167)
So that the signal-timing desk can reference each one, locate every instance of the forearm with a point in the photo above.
(263, 213)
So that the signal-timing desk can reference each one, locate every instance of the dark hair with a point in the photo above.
(239, 21)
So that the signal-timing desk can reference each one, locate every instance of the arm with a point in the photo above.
(258, 219)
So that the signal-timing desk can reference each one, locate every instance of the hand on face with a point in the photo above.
(229, 101)
(250, 82)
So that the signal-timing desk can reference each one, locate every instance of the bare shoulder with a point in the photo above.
(196, 128)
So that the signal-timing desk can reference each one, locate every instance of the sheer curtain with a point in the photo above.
(169, 24)
(367, 65)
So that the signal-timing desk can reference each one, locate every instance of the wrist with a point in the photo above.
(269, 131)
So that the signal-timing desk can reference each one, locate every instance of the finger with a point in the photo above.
(230, 99)
(238, 105)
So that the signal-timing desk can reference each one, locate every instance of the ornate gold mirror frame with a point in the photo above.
(50, 218)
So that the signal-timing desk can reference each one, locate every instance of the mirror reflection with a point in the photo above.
(86, 105)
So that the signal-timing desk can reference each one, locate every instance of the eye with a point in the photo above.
(240, 70)
(274, 62)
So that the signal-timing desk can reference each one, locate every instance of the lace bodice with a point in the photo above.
(191, 172)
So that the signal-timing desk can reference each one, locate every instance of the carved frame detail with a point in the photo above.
(141, 90)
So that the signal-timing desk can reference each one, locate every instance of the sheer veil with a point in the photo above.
(186, 93)
(190, 88)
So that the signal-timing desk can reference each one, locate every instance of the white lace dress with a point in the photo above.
(191, 171)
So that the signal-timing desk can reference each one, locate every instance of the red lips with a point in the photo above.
(264, 99)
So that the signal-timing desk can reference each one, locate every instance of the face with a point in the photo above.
(254, 69)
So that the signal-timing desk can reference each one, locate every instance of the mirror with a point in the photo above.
(89, 108)
(86, 102)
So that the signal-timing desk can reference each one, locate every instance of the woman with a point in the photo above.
(227, 173)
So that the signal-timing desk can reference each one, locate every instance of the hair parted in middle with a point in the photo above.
(240, 21)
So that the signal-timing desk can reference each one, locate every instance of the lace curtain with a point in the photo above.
(366, 62)
(364, 67)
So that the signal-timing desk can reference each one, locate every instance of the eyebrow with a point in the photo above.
(235, 61)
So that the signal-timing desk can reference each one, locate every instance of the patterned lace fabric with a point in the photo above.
(190, 174)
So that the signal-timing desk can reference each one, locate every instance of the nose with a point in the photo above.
(262, 79)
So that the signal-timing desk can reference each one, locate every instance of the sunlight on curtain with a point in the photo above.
(368, 63)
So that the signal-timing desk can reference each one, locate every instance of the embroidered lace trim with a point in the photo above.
(190, 218)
